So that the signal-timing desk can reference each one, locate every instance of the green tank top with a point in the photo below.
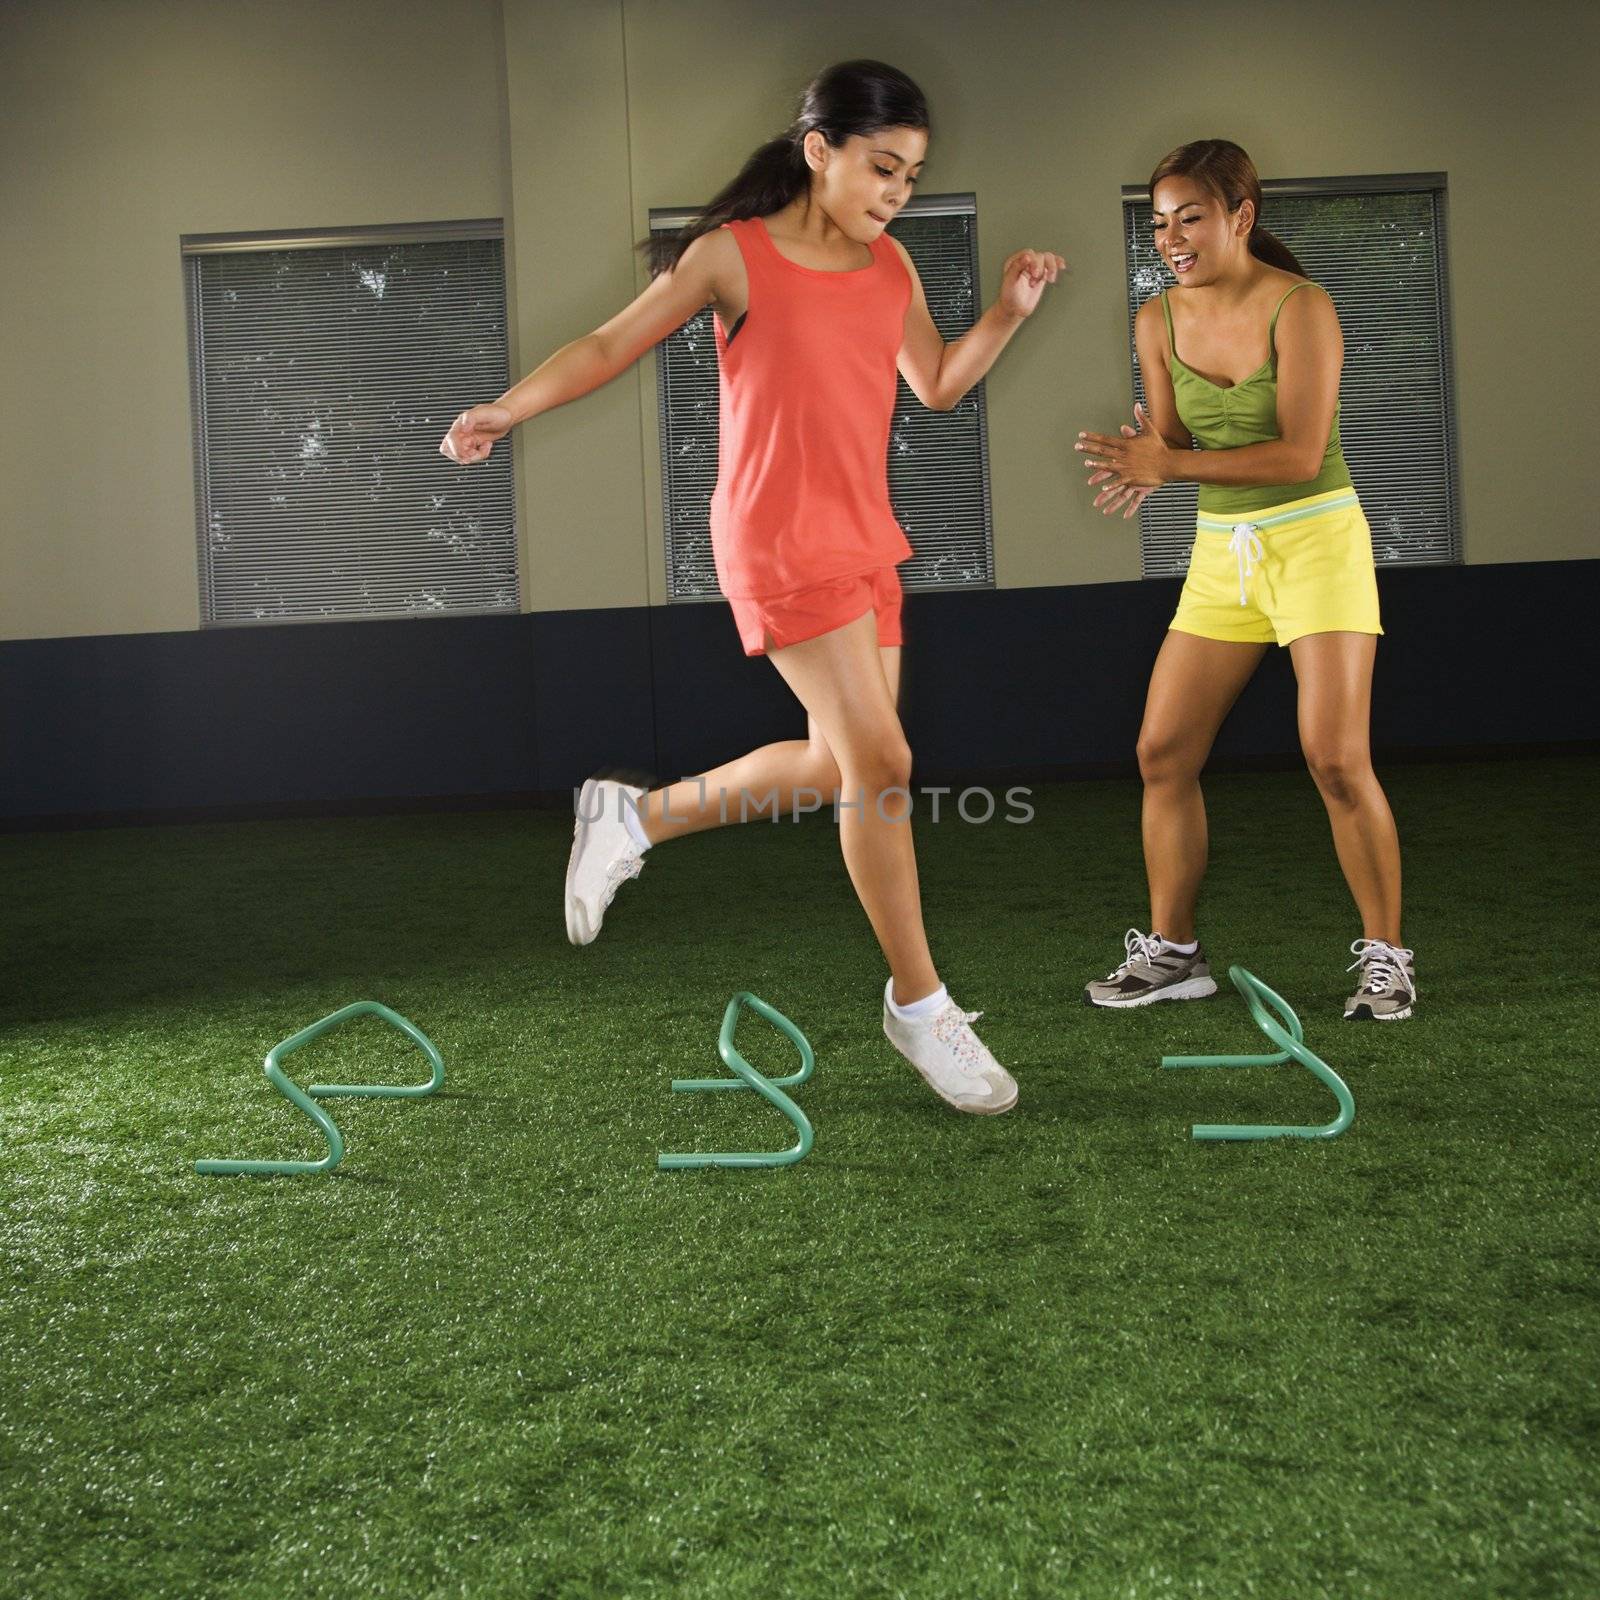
(1225, 418)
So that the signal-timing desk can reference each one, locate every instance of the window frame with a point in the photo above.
(196, 247)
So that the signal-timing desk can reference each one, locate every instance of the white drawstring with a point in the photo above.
(1245, 547)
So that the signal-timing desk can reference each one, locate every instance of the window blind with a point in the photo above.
(938, 465)
(324, 371)
(1377, 245)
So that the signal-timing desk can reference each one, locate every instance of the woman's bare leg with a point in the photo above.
(1335, 676)
(1193, 686)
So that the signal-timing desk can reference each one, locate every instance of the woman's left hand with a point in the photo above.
(1142, 462)
(1114, 497)
(1023, 278)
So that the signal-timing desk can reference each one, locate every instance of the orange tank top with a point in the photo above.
(807, 390)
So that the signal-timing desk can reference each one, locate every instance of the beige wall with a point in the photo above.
(126, 123)
(123, 126)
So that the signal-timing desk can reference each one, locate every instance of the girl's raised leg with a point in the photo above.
(778, 779)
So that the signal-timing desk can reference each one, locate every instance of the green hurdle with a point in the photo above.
(291, 1091)
(770, 1089)
(1285, 1031)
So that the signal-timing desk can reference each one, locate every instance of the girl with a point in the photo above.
(815, 306)
(1282, 553)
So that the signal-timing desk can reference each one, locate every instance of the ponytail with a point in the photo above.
(770, 178)
(849, 99)
(1270, 248)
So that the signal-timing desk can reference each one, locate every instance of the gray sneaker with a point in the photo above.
(1150, 974)
(1387, 989)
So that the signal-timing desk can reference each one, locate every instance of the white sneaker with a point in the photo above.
(604, 854)
(953, 1059)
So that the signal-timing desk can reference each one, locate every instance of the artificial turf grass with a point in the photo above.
(1061, 1351)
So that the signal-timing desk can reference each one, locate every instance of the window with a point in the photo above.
(1377, 245)
(324, 370)
(938, 460)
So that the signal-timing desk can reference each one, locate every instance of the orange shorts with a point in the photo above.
(809, 613)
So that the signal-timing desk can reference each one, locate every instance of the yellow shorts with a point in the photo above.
(1276, 575)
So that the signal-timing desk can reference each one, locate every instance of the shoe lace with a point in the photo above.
(619, 870)
(1143, 947)
(1382, 964)
(953, 1027)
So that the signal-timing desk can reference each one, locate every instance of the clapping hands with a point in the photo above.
(1131, 466)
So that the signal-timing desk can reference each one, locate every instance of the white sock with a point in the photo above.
(632, 822)
(1182, 949)
(919, 1010)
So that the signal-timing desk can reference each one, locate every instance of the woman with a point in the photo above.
(1282, 554)
(815, 308)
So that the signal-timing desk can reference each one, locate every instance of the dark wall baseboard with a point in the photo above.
(324, 718)
(563, 799)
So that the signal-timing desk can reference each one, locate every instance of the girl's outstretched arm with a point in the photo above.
(595, 359)
(939, 374)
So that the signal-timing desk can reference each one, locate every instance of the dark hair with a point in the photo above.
(853, 97)
(1230, 175)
